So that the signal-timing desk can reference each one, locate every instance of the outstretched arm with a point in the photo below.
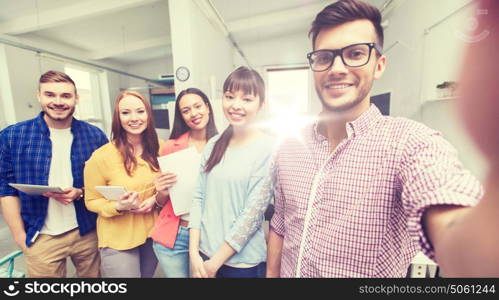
(465, 240)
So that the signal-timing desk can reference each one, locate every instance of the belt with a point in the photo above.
(184, 223)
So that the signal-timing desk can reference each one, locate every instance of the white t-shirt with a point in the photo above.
(60, 218)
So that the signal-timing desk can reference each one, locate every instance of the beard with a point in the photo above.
(56, 118)
(362, 94)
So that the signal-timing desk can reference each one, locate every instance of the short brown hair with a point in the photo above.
(55, 76)
(345, 11)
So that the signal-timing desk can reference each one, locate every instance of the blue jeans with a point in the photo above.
(225, 271)
(175, 261)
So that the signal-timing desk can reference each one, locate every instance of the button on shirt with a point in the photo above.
(25, 156)
(356, 211)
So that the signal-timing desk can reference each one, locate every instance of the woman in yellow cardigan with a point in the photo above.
(129, 160)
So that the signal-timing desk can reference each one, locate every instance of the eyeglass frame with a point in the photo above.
(339, 52)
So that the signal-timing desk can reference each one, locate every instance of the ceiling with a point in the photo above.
(119, 31)
(133, 31)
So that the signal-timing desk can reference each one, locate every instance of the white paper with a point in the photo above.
(34, 189)
(185, 165)
(111, 192)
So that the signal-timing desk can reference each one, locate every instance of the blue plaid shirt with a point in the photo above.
(25, 155)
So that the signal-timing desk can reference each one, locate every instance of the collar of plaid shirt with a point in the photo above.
(40, 122)
(354, 128)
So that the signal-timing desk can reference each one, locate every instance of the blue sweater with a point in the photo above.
(231, 199)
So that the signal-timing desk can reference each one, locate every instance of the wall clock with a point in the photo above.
(182, 73)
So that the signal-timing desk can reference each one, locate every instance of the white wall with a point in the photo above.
(3, 122)
(149, 69)
(116, 83)
(24, 69)
(7, 115)
(198, 45)
(35, 65)
(420, 60)
(270, 52)
(21, 70)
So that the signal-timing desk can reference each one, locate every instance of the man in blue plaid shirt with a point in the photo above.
(51, 149)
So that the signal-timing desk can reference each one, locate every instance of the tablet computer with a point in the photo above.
(34, 189)
(111, 192)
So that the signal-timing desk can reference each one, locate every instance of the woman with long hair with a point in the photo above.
(193, 126)
(233, 191)
(130, 161)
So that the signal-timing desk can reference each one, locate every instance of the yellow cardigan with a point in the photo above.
(120, 231)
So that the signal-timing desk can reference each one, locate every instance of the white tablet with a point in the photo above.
(111, 192)
(34, 189)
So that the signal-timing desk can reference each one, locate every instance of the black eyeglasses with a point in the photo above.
(355, 55)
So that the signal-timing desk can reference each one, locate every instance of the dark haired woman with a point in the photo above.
(233, 191)
(129, 160)
(193, 126)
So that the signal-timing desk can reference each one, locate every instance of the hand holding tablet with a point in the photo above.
(35, 189)
(125, 200)
(128, 201)
(111, 192)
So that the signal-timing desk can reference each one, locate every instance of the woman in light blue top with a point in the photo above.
(226, 234)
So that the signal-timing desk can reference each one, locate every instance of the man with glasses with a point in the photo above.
(358, 194)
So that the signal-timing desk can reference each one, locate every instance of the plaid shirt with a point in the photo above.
(356, 211)
(25, 155)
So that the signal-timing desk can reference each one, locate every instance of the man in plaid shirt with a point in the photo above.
(358, 194)
(51, 149)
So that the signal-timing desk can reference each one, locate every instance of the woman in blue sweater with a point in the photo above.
(234, 187)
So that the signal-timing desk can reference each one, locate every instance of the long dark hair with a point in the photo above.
(150, 141)
(179, 125)
(249, 82)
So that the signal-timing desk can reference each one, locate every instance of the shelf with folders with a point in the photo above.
(162, 95)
